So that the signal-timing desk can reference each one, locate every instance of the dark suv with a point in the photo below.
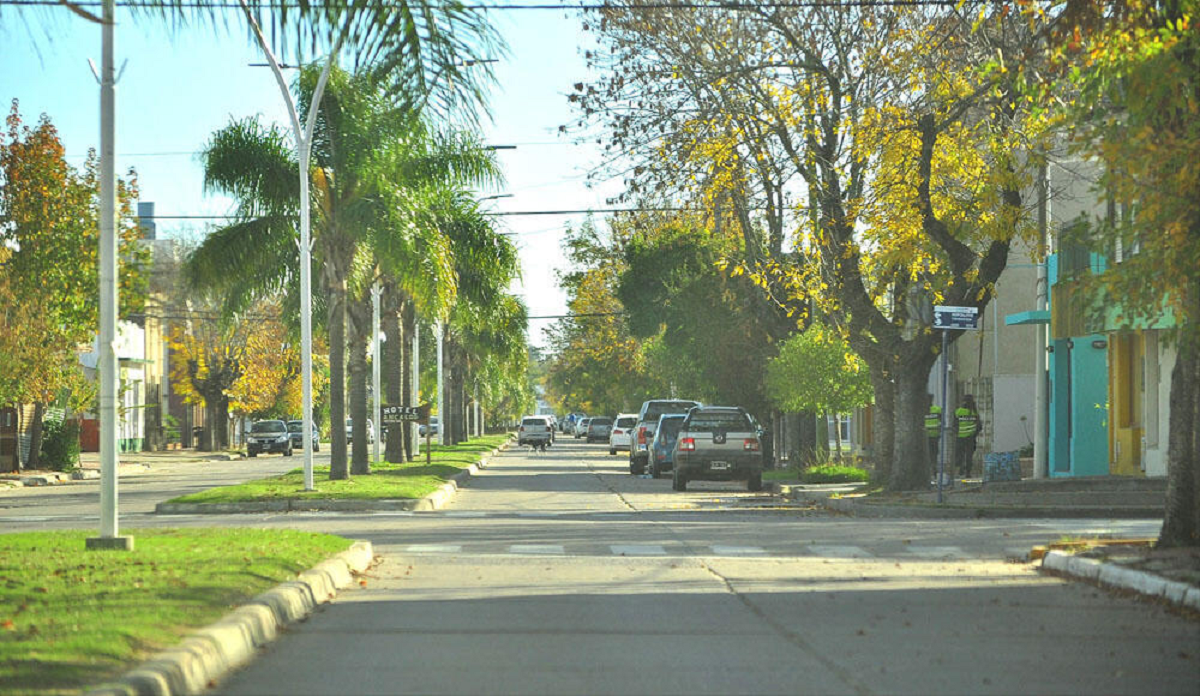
(643, 432)
(269, 436)
(718, 443)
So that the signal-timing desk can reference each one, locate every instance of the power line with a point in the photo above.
(496, 213)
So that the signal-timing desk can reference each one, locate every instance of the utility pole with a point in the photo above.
(1041, 434)
(109, 379)
(416, 386)
(441, 387)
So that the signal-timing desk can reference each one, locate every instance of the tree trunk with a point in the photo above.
(393, 374)
(35, 436)
(338, 469)
(910, 465)
(1181, 524)
(359, 314)
(837, 434)
(883, 426)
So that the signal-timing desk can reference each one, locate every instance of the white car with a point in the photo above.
(350, 431)
(622, 432)
(430, 429)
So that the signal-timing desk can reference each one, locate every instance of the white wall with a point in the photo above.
(1154, 456)
(1013, 399)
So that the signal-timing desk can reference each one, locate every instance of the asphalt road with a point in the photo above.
(559, 573)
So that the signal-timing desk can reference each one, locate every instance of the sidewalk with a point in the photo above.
(1170, 575)
(128, 463)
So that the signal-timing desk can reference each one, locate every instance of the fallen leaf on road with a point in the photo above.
(8, 625)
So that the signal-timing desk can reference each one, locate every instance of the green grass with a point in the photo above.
(70, 618)
(386, 481)
(785, 474)
(834, 473)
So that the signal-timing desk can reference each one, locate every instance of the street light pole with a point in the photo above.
(376, 292)
(416, 386)
(109, 379)
(443, 422)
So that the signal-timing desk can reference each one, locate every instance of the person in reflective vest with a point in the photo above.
(967, 420)
(933, 434)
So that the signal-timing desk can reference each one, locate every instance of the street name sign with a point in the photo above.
(955, 317)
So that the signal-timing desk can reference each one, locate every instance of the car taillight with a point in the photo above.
(521, 429)
(750, 445)
(687, 444)
(641, 435)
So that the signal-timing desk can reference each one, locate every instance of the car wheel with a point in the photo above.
(655, 472)
(754, 483)
(678, 481)
(316, 447)
(253, 455)
(611, 451)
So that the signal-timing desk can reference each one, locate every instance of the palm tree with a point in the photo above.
(373, 165)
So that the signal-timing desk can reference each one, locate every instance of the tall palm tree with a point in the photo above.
(373, 167)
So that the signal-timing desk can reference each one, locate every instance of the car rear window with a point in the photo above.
(601, 421)
(626, 422)
(657, 408)
(721, 420)
(268, 427)
(669, 427)
(534, 421)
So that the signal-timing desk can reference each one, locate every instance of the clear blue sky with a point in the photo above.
(180, 86)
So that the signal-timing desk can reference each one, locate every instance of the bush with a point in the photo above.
(833, 473)
(60, 445)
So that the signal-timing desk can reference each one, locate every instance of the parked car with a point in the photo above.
(643, 434)
(622, 431)
(534, 431)
(350, 431)
(431, 428)
(269, 436)
(662, 448)
(296, 430)
(599, 429)
(581, 427)
(718, 443)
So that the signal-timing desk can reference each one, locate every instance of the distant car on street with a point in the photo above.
(581, 427)
(431, 428)
(643, 434)
(599, 429)
(622, 432)
(534, 431)
(350, 431)
(662, 448)
(718, 443)
(269, 436)
(296, 431)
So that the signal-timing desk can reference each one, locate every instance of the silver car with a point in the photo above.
(717, 443)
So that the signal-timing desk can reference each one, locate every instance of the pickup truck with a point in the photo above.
(643, 432)
(718, 443)
(535, 431)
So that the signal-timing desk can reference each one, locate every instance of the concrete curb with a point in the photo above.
(434, 501)
(1113, 575)
(211, 653)
(862, 508)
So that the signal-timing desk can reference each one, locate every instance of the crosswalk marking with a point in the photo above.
(640, 550)
(433, 548)
(937, 551)
(840, 552)
(738, 550)
(537, 549)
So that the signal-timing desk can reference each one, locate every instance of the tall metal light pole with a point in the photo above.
(416, 385)
(304, 136)
(441, 386)
(109, 379)
(376, 292)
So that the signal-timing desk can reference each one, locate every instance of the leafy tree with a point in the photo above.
(51, 238)
(816, 371)
(909, 161)
(1124, 78)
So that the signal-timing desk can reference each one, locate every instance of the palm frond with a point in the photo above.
(255, 165)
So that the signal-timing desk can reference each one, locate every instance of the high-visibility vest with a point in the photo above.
(933, 421)
(968, 421)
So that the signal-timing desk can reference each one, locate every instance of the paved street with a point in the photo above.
(560, 573)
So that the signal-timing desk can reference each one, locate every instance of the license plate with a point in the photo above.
(719, 465)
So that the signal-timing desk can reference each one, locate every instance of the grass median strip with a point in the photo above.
(71, 618)
(386, 481)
